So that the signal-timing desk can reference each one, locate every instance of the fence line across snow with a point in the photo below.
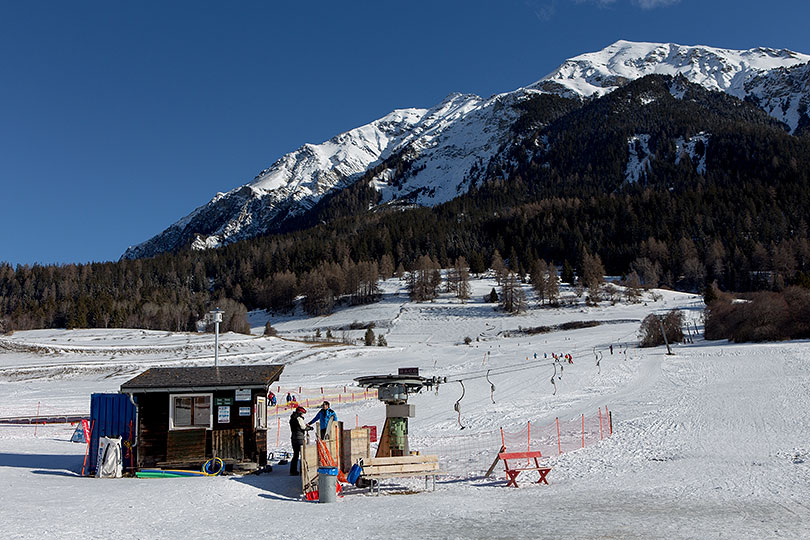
(472, 454)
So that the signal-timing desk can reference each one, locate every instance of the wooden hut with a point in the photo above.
(187, 415)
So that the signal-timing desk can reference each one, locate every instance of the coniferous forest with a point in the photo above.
(732, 211)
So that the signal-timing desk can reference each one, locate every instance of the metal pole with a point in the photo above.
(663, 333)
(216, 344)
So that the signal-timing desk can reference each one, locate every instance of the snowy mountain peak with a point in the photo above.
(439, 152)
(598, 73)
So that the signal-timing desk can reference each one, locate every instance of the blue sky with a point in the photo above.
(118, 118)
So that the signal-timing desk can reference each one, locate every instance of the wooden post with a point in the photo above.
(559, 443)
(494, 463)
(610, 421)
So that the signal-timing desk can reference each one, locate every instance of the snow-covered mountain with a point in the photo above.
(447, 145)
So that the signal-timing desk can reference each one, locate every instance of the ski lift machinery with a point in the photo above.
(393, 390)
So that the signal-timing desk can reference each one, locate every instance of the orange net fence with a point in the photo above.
(314, 396)
(472, 454)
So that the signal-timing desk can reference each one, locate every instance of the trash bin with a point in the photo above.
(327, 484)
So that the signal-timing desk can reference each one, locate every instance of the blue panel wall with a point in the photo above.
(112, 415)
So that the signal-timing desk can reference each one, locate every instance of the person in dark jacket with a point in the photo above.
(324, 416)
(298, 436)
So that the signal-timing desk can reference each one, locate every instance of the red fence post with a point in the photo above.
(528, 439)
(528, 436)
(559, 443)
(87, 450)
(278, 426)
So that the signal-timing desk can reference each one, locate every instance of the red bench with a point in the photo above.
(513, 472)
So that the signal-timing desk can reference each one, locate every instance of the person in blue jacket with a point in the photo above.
(324, 415)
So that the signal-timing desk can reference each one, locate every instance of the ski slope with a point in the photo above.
(710, 442)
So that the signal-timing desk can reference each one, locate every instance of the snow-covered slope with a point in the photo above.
(445, 145)
(710, 442)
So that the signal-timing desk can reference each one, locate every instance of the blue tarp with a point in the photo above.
(112, 415)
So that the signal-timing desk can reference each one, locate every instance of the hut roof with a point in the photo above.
(203, 378)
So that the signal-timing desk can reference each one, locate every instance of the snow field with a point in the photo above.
(710, 442)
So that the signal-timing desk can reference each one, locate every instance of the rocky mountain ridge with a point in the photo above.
(446, 147)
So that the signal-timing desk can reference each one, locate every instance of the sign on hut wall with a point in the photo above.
(244, 411)
(223, 415)
(243, 394)
(223, 401)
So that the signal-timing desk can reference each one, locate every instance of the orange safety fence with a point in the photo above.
(472, 454)
(313, 399)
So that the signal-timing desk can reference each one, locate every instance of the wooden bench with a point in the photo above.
(399, 467)
(513, 472)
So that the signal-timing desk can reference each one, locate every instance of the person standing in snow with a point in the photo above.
(289, 397)
(298, 437)
(324, 416)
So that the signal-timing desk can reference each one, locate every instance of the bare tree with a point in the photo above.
(498, 267)
(513, 299)
(539, 278)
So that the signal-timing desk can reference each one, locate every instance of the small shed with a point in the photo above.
(187, 415)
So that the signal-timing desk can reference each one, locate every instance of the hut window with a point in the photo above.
(191, 411)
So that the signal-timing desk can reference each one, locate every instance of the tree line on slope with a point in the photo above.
(740, 224)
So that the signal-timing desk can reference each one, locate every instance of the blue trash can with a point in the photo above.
(327, 484)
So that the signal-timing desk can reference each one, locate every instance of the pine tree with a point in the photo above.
(567, 273)
(369, 337)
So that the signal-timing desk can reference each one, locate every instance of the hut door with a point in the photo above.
(260, 415)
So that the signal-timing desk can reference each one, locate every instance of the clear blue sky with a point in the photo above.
(119, 117)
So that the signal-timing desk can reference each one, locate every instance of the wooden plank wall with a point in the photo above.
(184, 445)
(356, 444)
(229, 444)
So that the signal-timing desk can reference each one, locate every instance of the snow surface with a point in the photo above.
(710, 442)
(638, 161)
(688, 148)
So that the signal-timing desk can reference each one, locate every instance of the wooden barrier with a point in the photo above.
(399, 467)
